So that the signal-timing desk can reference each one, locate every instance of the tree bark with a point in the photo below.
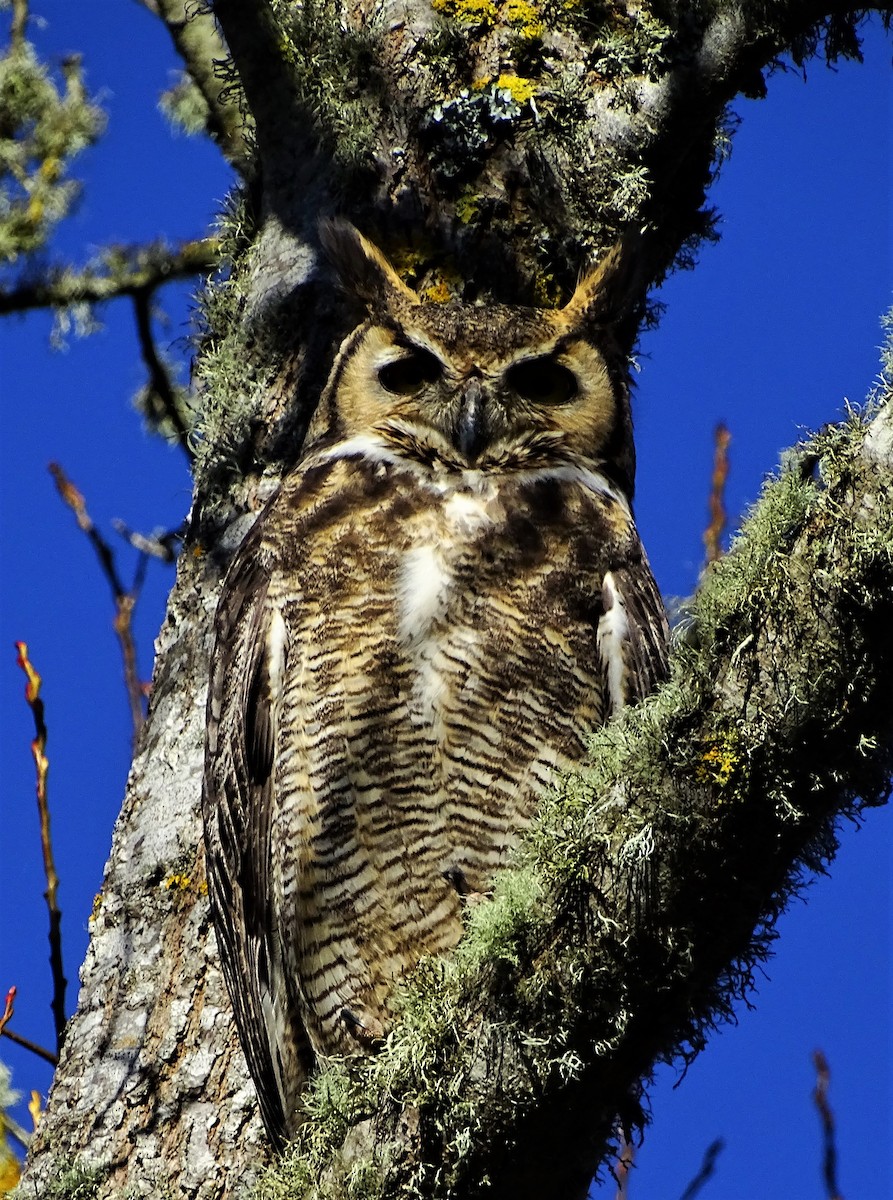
(491, 149)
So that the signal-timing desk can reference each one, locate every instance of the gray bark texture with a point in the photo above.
(491, 149)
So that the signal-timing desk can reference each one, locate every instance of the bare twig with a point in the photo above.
(41, 762)
(717, 506)
(117, 271)
(124, 599)
(820, 1096)
(708, 1168)
(159, 544)
(161, 382)
(27, 1044)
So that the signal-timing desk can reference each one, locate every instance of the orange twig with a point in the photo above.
(623, 1168)
(125, 599)
(9, 1008)
(42, 765)
(820, 1095)
(717, 506)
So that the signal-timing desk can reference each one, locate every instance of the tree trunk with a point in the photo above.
(491, 149)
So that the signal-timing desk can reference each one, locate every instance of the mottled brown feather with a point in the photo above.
(409, 645)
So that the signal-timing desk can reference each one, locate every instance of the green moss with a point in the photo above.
(337, 76)
(69, 1180)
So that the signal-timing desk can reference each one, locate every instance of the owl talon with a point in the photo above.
(455, 876)
(368, 1032)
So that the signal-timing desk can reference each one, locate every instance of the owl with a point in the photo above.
(438, 605)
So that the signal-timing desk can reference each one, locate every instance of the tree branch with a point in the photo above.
(204, 54)
(27, 1044)
(19, 24)
(826, 1116)
(717, 499)
(648, 874)
(284, 128)
(706, 1172)
(124, 599)
(159, 379)
(648, 890)
(41, 763)
(118, 271)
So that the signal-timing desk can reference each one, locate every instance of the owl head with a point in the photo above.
(490, 387)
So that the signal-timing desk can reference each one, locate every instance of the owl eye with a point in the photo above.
(542, 381)
(407, 376)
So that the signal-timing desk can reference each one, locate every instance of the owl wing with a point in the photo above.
(237, 802)
(632, 633)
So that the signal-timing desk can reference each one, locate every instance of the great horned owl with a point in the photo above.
(439, 603)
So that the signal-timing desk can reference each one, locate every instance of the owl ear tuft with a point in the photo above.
(361, 267)
(613, 290)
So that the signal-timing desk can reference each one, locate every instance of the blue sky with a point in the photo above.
(774, 330)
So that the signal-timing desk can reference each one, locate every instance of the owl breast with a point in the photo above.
(442, 663)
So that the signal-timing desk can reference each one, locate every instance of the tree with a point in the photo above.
(527, 128)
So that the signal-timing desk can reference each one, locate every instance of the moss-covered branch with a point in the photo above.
(521, 136)
(205, 57)
(45, 122)
(117, 271)
(284, 131)
(646, 894)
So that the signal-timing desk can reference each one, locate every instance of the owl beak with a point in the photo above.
(471, 433)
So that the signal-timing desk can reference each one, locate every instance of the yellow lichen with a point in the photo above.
(470, 12)
(520, 89)
(438, 291)
(97, 905)
(467, 207)
(409, 263)
(526, 18)
(178, 881)
(719, 761)
(547, 291)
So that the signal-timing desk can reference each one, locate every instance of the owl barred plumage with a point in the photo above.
(441, 601)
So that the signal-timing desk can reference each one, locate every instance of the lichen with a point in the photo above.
(633, 43)
(719, 760)
(336, 74)
(234, 362)
(477, 14)
(520, 90)
(463, 128)
(44, 128)
(185, 106)
(72, 1180)
(526, 18)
